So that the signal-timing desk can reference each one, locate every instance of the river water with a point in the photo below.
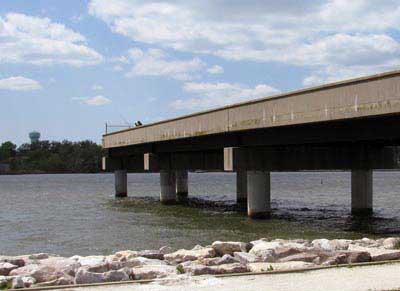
(78, 214)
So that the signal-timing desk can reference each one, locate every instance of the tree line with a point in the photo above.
(52, 157)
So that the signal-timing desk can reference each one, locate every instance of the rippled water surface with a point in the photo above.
(77, 214)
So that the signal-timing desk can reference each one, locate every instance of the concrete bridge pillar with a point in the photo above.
(258, 194)
(168, 187)
(182, 185)
(241, 187)
(361, 191)
(121, 184)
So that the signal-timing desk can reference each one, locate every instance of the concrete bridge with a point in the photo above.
(350, 125)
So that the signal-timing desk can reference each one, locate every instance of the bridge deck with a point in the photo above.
(362, 97)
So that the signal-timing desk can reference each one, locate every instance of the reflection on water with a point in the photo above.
(77, 214)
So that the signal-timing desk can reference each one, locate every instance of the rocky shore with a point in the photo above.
(221, 257)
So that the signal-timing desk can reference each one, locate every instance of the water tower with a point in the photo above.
(34, 136)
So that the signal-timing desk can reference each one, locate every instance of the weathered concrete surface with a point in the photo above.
(168, 187)
(258, 194)
(121, 183)
(369, 96)
(182, 185)
(241, 187)
(361, 191)
(380, 277)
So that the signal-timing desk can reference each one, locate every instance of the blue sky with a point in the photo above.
(69, 66)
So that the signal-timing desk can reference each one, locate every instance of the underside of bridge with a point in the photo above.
(358, 145)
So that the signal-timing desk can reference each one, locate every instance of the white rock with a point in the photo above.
(65, 280)
(151, 254)
(19, 261)
(48, 269)
(25, 270)
(135, 262)
(336, 259)
(39, 256)
(355, 247)
(28, 281)
(322, 244)
(102, 267)
(116, 276)
(301, 247)
(264, 267)
(384, 255)
(61, 265)
(166, 250)
(6, 268)
(331, 245)
(261, 240)
(141, 261)
(340, 244)
(391, 243)
(85, 277)
(197, 269)
(366, 242)
(124, 255)
(89, 260)
(303, 257)
(44, 274)
(378, 254)
(246, 258)
(197, 247)
(225, 259)
(229, 247)
(152, 272)
(189, 255)
(17, 283)
(265, 250)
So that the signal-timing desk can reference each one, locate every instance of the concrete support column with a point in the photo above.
(168, 187)
(258, 194)
(121, 184)
(241, 187)
(182, 185)
(361, 191)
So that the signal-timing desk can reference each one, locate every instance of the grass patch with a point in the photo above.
(179, 269)
(6, 285)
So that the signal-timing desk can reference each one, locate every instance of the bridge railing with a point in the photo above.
(362, 97)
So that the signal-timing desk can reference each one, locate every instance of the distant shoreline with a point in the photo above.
(12, 173)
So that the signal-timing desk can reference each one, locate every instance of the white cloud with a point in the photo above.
(215, 70)
(333, 34)
(39, 41)
(117, 68)
(97, 87)
(218, 94)
(19, 83)
(155, 62)
(93, 101)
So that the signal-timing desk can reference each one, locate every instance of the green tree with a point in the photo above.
(58, 157)
(7, 151)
